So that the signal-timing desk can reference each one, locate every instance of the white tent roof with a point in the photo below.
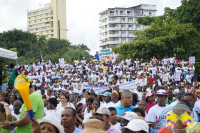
(8, 54)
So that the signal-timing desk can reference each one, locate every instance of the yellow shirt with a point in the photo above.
(105, 68)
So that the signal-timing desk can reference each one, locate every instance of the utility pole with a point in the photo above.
(59, 36)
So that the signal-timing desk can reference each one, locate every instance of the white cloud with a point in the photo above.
(82, 16)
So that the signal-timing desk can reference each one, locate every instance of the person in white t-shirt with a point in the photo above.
(115, 98)
(154, 115)
(106, 99)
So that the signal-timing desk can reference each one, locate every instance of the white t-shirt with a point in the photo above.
(197, 106)
(107, 105)
(154, 114)
(62, 108)
(116, 104)
(117, 126)
(56, 112)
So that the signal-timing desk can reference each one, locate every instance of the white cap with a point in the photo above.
(103, 110)
(137, 125)
(52, 119)
(129, 116)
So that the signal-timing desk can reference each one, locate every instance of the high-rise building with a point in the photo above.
(117, 24)
(44, 21)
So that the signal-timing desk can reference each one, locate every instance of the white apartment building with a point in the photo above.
(117, 24)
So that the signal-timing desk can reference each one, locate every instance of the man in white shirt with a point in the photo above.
(155, 111)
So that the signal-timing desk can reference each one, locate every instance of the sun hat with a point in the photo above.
(161, 92)
(93, 126)
(129, 116)
(103, 111)
(137, 125)
(52, 119)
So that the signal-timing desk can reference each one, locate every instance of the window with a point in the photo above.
(29, 22)
(35, 16)
(29, 18)
(47, 22)
(40, 19)
(29, 26)
(123, 19)
(46, 18)
(51, 30)
(130, 20)
(51, 34)
(29, 14)
(35, 21)
(47, 14)
(51, 12)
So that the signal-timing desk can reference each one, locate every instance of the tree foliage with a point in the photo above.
(31, 48)
(162, 40)
(174, 32)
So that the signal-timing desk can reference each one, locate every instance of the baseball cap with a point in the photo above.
(106, 94)
(148, 95)
(97, 93)
(103, 111)
(129, 116)
(161, 92)
(137, 125)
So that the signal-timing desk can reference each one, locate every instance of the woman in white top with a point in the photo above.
(115, 96)
(64, 102)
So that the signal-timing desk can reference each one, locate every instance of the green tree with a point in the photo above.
(78, 53)
(41, 42)
(167, 39)
(83, 46)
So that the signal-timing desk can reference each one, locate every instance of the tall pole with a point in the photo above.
(59, 36)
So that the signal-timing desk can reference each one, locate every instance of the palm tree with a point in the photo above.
(83, 46)
(78, 53)
(41, 43)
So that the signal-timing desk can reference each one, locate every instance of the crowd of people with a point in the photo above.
(171, 94)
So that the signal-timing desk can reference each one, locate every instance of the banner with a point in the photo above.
(127, 86)
(62, 62)
(164, 77)
(104, 53)
(192, 59)
(79, 88)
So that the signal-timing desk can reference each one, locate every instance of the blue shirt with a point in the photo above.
(121, 110)
(97, 56)
(76, 130)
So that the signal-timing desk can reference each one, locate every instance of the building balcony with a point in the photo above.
(124, 28)
(117, 28)
(111, 28)
(117, 35)
(117, 21)
(139, 15)
(107, 43)
(131, 35)
(123, 21)
(123, 41)
(111, 35)
(130, 28)
(117, 41)
(123, 35)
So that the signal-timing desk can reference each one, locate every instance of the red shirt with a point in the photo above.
(150, 80)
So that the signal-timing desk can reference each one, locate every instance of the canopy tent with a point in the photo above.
(8, 54)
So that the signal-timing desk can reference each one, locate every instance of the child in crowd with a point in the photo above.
(113, 120)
